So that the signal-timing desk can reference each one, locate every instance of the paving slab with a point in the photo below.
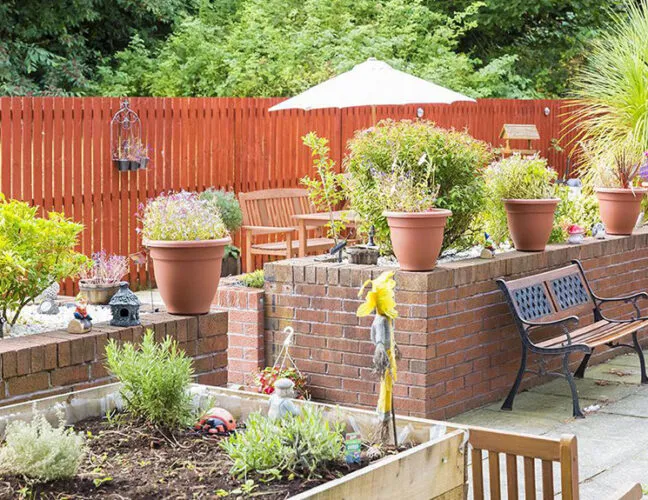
(605, 391)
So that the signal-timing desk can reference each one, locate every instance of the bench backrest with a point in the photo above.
(274, 207)
(549, 296)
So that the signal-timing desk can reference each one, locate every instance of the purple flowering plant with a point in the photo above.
(181, 216)
(106, 269)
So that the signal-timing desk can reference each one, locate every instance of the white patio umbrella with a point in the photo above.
(371, 83)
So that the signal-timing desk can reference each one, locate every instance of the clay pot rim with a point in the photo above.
(85, 283)
(639, 190)
(531, 201)
(434, 213)
(187, 243)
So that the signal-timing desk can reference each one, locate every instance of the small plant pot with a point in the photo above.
(619, 208)
(363, 255)
(143, 163)
(417, 237)
(122, 165)
(231, 266)
(98, 294)
(187, 273)
(530, 222)
(133, 165)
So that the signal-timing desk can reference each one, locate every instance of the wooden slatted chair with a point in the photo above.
(552, 299)
(269, 212)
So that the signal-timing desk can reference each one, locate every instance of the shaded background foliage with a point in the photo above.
(494, 48)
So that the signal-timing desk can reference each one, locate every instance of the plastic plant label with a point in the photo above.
(352, 446)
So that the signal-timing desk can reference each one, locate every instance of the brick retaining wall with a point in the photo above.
(459, 346)
(55, 362)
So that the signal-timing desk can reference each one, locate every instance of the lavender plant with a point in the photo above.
(106, 269)
(181, 216)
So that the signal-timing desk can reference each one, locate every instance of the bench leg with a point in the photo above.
(572, 386)
(508, 403)
(642, 361)
(580, 372)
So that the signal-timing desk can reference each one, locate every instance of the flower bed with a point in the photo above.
(152, 465)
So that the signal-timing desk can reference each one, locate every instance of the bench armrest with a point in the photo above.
(625, 298)
(267, 229)
(539, 324)
(632, 298)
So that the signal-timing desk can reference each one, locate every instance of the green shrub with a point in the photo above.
(457, 158)
(300, 446)
(39, 451)
(228, 205)
(34, 253)
(155, 380)
(515, 177)
(255, 279)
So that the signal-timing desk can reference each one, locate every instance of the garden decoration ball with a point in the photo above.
(82, 321)
(380, 299)
(280, 402)
(124, 307)
(216, 421)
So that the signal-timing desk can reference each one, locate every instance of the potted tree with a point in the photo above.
(416, 227)
(101, 281)
(230, 211)
(525, 187)
(186, 238)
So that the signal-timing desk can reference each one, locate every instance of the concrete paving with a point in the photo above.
(612, 439)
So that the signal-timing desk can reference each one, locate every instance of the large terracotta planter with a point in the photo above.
(187, 273)
(620, 208)
(417, 237)
(530, 222)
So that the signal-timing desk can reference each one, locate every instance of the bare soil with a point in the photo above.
(133, 460)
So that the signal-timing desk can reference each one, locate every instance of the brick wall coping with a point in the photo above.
(308, 270)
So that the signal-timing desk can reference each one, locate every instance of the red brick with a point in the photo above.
(70, 375)
(27, 384)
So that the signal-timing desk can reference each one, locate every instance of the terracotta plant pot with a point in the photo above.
(98, 294)
(530, 222)
(620, 208)
(187, 273)
(417, 237)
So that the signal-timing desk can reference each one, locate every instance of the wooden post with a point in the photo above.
(569, 467)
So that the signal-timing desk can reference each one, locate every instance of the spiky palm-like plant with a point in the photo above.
(610, 115)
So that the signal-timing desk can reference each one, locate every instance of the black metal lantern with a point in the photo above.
(128, 151)
(124, 306)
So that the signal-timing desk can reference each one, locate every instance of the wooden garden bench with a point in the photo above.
(552, 299)
(270, 212)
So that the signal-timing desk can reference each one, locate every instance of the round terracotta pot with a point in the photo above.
(417, 237)
(619, 208)
(530, 222)
(187, 273)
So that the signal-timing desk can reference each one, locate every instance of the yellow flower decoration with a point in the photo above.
(380, 298)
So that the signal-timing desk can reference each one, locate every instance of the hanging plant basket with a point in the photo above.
(128, 151)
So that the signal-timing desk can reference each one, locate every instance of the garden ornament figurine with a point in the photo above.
(216, 421)
(281, 402)
(47, 300)
(380, 299)
(488, 252)
(82, 322)
(576, 234)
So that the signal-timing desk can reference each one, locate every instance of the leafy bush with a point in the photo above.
(401, 192)
(582, 210)
(457, 158)
(300, 445)
(34, 253)
(155, 380)
(181, 216)
(610, 116)
(328, 190)
(228, 205)
(39, 451)
(515, 177)
(267, 377)
(255, 279)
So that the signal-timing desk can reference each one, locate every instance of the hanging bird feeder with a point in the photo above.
(128, 151)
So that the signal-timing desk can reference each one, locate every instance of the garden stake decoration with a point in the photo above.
(381, 300)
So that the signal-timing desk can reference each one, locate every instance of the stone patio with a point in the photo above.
(612, 439)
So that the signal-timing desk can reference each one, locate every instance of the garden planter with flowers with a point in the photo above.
(186, 238)
(620, 208)
(525, 188)
(102, 280)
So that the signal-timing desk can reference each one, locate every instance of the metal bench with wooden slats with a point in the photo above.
(269, 212)
(550, 300)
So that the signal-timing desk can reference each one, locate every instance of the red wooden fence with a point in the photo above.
(55, 152)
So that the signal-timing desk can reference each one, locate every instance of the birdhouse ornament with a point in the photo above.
(124, 307)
